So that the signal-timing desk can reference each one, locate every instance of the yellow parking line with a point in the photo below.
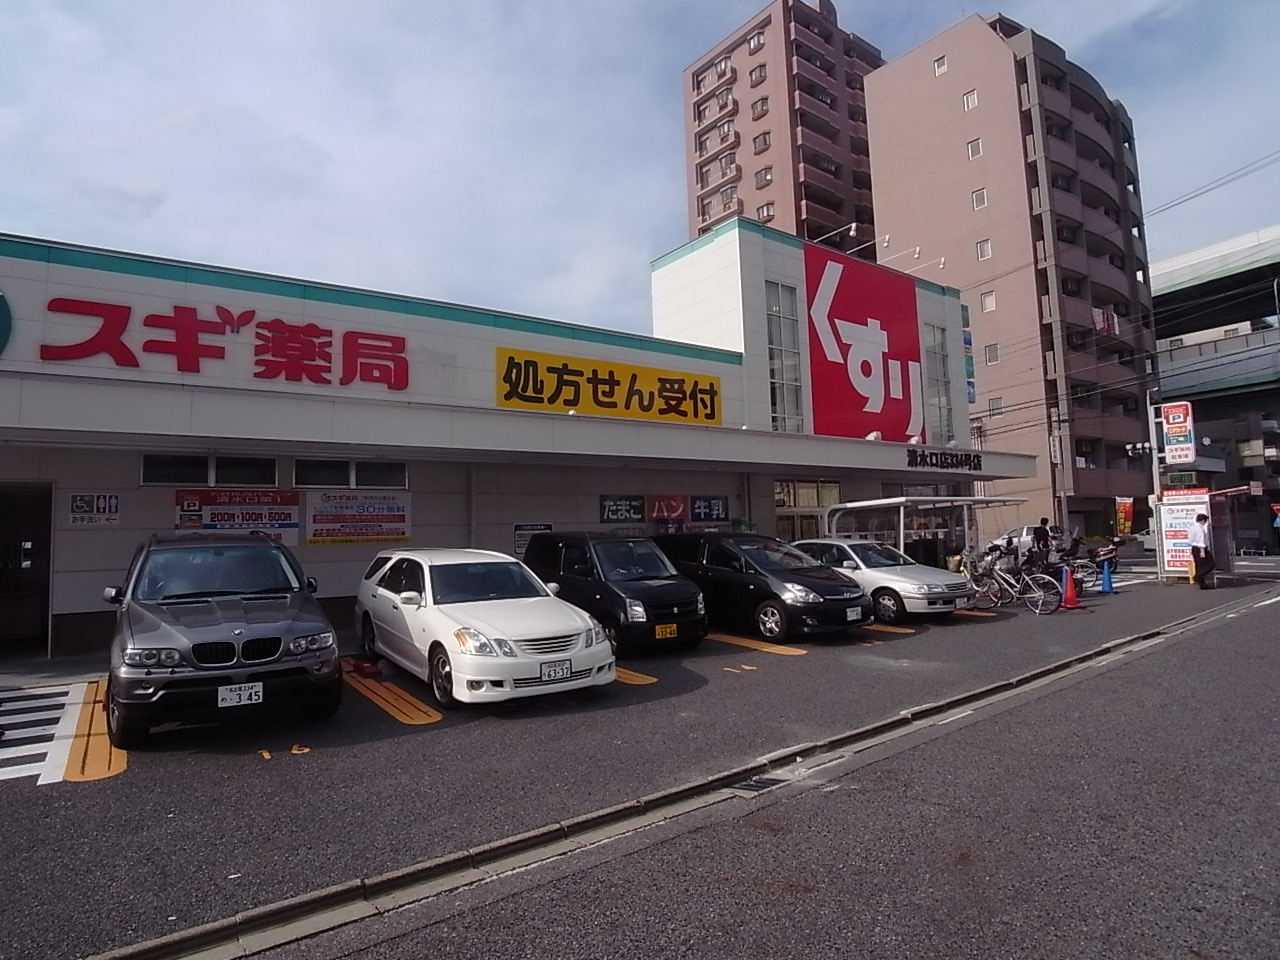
(389, 697)
(978, 613)
(92, 756)
(630, 676)
(887, 628)
(778, 648)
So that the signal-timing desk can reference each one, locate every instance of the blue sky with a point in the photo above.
(520, 156)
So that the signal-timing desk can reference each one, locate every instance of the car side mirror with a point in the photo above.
(554, 588)
(312, 585)
(410, 598)
(113, 595)
(850, 564)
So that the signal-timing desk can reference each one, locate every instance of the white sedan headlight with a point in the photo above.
(474, 642)
(795, 593)
(594, 635)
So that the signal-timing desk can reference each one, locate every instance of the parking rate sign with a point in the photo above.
(1179, 433)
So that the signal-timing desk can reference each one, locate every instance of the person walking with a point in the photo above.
(1201, 551)
(1040, 540)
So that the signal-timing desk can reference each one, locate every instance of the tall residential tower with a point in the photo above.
(776, 123)
(990, 148)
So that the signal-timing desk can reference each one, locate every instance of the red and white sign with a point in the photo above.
(335, 517)
(275, 512)
(864, 348)
(1179, 433)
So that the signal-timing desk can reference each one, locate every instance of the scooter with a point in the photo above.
(1108, 553)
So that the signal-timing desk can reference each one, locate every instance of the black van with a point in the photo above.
(624, 582)
(771, 584)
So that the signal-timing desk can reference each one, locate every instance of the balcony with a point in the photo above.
(817, 213)
(831, 182)
(1091, 128)
(1060, 151)
(1070, 257)
(1064, 202)
(718, 145)
(1111, 427)
(816, 104)
(716, 114)
(811, 35)
(1130, 160)
(1104, 372)
(720, 211)
(1096, 176)
(815, 140)
(1096, 221)
(804, 69)
(1075, 312)
(720, 177)
(1054, 100)
(1102, 271)
(1135, 205)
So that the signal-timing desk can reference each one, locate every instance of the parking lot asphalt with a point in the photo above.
(205, 822)
(1123, 811)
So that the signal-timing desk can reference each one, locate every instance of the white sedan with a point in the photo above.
(477, 626)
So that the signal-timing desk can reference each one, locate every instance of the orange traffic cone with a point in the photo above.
(1069, 599)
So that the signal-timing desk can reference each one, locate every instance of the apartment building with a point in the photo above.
(776, 123)
(992, 150)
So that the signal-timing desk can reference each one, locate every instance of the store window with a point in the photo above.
(349, 474)
(177, 470)
(168, 469)
(783, 321)
(939, 417)
(244, 472)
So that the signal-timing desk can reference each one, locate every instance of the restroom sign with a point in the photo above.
(94, 509)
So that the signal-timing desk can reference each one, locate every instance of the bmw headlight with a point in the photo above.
(316, 641)
(702, 605)
(795, 593)
(474, 642)
(635, 612)
(152, 657)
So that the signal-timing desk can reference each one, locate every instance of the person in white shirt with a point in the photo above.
(1201, 552)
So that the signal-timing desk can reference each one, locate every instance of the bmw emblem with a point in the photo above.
(237, 632)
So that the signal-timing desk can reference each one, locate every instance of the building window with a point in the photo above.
(992, 352)
(700, 112)
(175, 470)
(350, 474)
(764, 176)
(1175, 342)
(704, 209)
(206, 471)
(755, 41)
(979, 198)
(1231, 332)
(760, 142)
(764, 212)
(728, 195)
(757, 75)
(726, 163)
(722, 98)
(725, 130)
(759, 108)
(984, 249)
(700, 83)
(704, 142)
(939, 421)
(722, 67)
(939, 66)
(970, 100)
(975, 149)
(783, 321)
(988, 301)
(244, 472)
(995, 407)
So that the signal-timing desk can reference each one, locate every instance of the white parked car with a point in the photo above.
(897, 584)
(478, 626)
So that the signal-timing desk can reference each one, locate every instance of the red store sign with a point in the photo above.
(293, 352)
(864, 348)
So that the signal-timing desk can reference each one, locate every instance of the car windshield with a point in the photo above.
(632, 560)
(472, 582)
(189, 572)
(775, 555)
(875, 555)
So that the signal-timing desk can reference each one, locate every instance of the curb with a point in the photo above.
(227, 933)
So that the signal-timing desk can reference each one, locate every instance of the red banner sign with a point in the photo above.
(864, 348)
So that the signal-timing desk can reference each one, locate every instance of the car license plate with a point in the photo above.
(961, 603)
(663, 630)
(853, 613)
(557, 670)
(239, 694)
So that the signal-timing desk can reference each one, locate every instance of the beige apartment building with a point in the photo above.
(990, 148)
(776, 122)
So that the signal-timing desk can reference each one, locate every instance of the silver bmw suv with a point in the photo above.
(213, 627)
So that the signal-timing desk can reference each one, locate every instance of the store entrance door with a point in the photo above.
(26, 533)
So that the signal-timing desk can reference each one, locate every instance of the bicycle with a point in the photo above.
(1040, 592)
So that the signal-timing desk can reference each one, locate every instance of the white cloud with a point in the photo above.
(525, 157)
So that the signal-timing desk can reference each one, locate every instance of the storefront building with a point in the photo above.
(140, 395)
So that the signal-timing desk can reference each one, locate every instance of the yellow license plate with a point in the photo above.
(664, 630)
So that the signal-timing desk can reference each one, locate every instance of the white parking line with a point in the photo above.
(1263, 603)
(21, 713)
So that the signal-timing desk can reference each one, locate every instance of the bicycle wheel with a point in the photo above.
(1005, 593)
(1086, 571)
(987, 591)
(1041, 593)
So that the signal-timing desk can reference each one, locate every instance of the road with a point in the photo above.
(1127, 810)
(206, 822)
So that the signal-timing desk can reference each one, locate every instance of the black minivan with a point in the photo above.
(771, 584)
(624, 582)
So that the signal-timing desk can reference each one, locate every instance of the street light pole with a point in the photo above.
(1154, 416)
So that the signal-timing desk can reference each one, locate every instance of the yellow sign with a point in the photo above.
(553, 383)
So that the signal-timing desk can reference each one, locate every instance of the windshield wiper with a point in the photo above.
(201, 594)
(262, 590)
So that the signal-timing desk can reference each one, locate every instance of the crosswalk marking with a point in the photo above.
(23, 714)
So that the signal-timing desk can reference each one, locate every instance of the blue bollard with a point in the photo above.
(1106, 578)
(1066, 572)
